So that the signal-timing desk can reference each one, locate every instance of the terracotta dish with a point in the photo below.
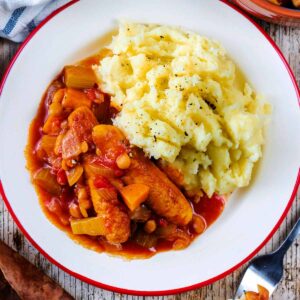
(270, 12)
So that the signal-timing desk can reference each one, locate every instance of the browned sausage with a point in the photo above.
(116, 219)
(164, 197)
(106, 203)
(81, 122)
(104, 197)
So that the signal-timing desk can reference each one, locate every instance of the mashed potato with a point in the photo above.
(181, 101)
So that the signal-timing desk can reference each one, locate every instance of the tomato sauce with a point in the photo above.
(210, 208)
(57, 208)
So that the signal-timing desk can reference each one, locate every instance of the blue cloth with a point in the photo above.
(19, 17)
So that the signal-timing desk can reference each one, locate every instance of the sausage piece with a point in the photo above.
(103, 193)
(81, 122)
(116, 219)
(164, 198)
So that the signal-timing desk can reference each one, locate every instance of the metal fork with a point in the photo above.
(267, 270)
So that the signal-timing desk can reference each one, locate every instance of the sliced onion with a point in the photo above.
(140, 214)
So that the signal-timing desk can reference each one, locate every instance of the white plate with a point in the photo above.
(251, 216)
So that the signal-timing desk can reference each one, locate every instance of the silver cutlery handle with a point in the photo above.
(295, 232)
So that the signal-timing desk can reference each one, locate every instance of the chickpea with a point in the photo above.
(150, 226)
(84, 147)
(98, 152)
(123, 161)
(82, 193)
(199, 224)
(55, 109)
(75, 211)
(181, 244)
(85, 203)
(58, 96)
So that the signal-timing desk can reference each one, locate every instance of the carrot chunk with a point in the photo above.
(74, 174)
(48, 143)
(134, 194)
(123, 161)
(52, 125)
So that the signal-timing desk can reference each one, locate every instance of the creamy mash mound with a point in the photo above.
(183, 101)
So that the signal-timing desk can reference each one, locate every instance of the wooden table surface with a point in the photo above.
(288, 40)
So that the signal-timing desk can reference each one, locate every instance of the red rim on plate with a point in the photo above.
(163, 292)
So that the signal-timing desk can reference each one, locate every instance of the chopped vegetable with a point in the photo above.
(61, 177)
(58, 96)
(52, 125)
(91, 226)
(84, 205)
(199, 224)
(180, 244)
(101, 182)
(75, 98)
(99, 169)
(48, 143)
(102, 195)
(134, 194)
(296, 3)
(166, 232)
(94, 169)
(79, 77)
(47, 181)
(123, 161)
(117, 183)
(74, 174)
(83, 200)
(82, 193)
(145, 240)
(140, 214)
(55, 109)
(84, 147)
(109, 140)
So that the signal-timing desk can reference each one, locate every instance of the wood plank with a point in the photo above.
(288, 39)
